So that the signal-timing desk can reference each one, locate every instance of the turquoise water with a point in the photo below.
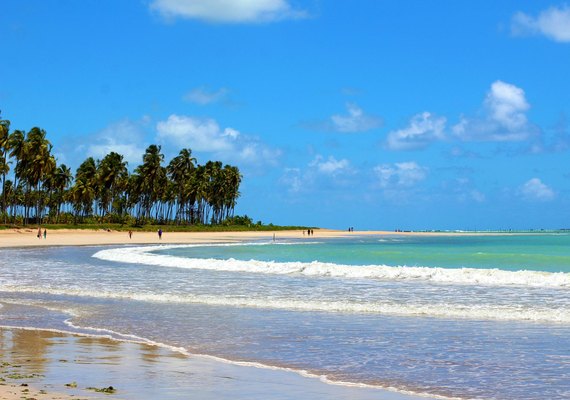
(468, 317)
(549, 252)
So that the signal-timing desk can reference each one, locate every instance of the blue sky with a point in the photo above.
(366, 113)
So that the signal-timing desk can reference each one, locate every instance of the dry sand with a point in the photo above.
(67, 237)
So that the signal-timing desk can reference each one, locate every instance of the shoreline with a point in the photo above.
(247, 371)
(12, 238)
(49, 371)
(259, 376)
(300, 380)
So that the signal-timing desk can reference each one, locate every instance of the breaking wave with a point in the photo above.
(435, 310)
(469, 276)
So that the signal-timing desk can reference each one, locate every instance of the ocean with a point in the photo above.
(451, 316)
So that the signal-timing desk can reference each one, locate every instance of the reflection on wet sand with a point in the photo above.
(58, 366)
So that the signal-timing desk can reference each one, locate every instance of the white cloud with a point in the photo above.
(554, 23)
(250, 150)
(206, 135)
(293, 179)
(423, 129)
(204, 96)
(124, 137)
(400, 175)
(355, 121)
(504, 117)
(196, 133)
(507, 105)
(331, 166)
(535, 190)
(323, 173)
(461, 188)
(232, 11)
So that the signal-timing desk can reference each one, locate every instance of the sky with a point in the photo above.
(371, 114)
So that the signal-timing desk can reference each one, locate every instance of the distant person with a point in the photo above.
(160, 234)
(39, 233)
(130, 234)
(312, 233)
(45, 233)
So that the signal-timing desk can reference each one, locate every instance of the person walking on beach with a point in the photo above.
(130, 234)
(160, 234)
(45, 233)
(39, 232)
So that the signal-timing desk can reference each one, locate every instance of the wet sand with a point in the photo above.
(60, 366)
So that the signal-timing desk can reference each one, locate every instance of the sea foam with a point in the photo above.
(469, 276)
(410, 309)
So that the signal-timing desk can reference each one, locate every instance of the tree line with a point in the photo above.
(181, 192)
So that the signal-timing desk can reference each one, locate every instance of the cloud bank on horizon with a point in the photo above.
(336, 115)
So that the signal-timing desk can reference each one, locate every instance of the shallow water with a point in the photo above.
(52, 360)
(430, 315)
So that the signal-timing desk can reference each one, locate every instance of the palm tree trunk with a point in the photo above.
(4, 206)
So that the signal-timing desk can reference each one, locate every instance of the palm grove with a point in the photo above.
(181, 192)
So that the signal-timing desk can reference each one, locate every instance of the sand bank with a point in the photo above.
(59, 366)
(67, 237)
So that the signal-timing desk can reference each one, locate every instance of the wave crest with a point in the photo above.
(470, 276)
(434, 310)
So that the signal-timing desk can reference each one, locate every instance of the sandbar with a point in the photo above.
(79, 237)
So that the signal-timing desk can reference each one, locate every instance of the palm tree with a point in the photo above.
(133, 195)
(201, 192)
(182, 191)
(84, 191)
(232, 180)
(16, 145)
(152, 176)
(82, 196)
(180, 170)
(215, 190)
(112, 173)
(4, 164)
(9, 193)
(39, 162)
(61, 179)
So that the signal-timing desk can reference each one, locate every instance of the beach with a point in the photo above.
(334, 315)
(78, 237)
(52, 364)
